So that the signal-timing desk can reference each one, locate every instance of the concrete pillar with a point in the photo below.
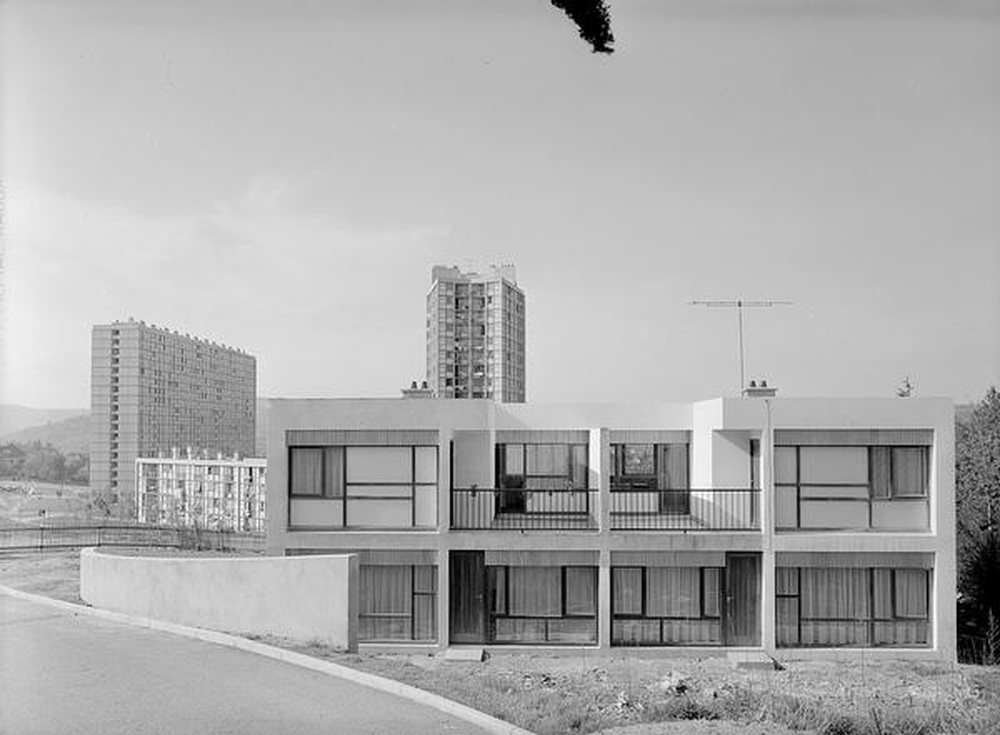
(445, 463)
(767, 606)
(600, 478)
(944, 578)
(443, 591)
(604, 594)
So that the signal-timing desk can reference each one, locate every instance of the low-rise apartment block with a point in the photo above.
(787, 526)
(220, 494)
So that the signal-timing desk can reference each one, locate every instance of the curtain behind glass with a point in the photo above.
(911, 593)
(909, 470)
(835, 593)
(881, 477)
(307, 470)
(581, 592)
(673, 467)
(334, 484)
(386, 603)
(673, 592)
(535, 591)
(626, 583)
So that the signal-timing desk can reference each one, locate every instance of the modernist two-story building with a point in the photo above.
(782, 525)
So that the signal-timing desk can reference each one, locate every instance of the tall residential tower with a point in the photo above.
(153, 390)
(475, 334)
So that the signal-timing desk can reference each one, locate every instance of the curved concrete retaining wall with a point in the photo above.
(305, 598)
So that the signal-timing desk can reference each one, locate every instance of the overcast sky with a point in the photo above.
(281, 176)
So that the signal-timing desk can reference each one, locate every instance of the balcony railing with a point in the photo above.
(715, 509)
(519, 510)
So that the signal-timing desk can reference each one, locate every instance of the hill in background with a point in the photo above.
(14, 418)
(69, 431)
(69, 436)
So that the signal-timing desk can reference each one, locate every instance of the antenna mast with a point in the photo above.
(739, 305)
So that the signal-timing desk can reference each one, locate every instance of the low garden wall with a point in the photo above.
(306, 598)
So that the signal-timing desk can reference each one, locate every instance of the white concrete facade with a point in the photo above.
(303, 599)
(795, 527)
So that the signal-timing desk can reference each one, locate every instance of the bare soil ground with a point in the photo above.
(626, 695)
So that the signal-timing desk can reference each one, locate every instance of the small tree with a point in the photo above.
(905, 389)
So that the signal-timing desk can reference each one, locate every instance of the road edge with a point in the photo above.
(372, 681)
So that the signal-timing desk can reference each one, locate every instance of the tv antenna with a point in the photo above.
(739, 305)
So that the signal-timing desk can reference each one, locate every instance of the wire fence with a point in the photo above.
(43, 537)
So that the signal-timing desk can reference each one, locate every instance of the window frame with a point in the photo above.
(345, 497)
(501, 475)
(873, 484)
(622, 481)
(416, 592)
(872, 617)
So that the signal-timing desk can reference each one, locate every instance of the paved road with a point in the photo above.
(66, 673)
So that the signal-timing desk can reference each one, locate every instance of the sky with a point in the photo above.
(282, 176)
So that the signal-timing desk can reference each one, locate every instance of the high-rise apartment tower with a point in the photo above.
(475, 334)
(153, 390)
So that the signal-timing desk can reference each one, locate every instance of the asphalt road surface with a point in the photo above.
(66, 673)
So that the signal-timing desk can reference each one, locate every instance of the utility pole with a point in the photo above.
(739, 305)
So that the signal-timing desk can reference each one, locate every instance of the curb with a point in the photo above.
(372, 681)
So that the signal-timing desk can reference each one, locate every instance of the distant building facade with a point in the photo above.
(475, 334)
(218, 494)
(153, 389)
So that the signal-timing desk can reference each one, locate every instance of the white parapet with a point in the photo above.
(305, 598)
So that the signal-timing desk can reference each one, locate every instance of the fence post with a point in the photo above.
(100, 536)
(41, 538)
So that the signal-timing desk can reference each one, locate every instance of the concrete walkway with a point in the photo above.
(67, 673)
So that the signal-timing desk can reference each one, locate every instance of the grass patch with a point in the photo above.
(564, 696)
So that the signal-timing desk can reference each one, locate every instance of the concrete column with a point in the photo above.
(604, 600)
(600, 477)
(944, 579)
(444, 480)
(442, 599)
(444, 525)
(767, 607)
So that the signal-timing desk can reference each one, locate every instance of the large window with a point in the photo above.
(363, 486)
(543, 604)
(542, 466)
(659, 606)
(860, 607)
(398, 603)
(847, 487)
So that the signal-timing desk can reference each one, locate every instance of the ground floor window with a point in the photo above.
(554, 604)
(861, 607)
(662, 606)
(398, 603)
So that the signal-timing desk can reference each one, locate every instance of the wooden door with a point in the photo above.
(742, 609)
(466, 597)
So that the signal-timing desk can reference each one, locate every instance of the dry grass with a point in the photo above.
(51, 573)
(589, 693)
(556, 695)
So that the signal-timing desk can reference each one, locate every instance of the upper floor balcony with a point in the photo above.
(822, 482)
(505, 509)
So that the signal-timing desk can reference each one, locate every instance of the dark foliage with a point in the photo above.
(593, 20)
(977, 491)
